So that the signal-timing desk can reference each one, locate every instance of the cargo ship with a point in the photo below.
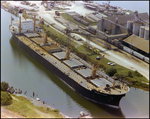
(79, 75)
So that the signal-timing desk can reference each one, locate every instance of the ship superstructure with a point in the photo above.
(82, 77)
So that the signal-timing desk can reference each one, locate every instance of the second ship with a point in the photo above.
(80, 76)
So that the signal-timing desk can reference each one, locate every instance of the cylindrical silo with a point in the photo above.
(146, 33)
(136, 28)
(142, 29)
(129, 26)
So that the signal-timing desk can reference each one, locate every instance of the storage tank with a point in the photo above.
(146, 33)
(142, 29)
(136, 28)
(129, 26)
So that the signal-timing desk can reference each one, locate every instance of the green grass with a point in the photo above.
(90, 55)
(136, 81)
(25, 108)
(70, 18)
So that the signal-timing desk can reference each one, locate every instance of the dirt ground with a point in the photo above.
(8, 114)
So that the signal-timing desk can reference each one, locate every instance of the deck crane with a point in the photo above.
(95, 68)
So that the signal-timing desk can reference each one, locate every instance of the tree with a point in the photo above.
(111, 71)
(6, 98)
(4, 86)
(130, 74)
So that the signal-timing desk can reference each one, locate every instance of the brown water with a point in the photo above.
(22, 71)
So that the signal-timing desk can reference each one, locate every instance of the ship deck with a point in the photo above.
(74, 74)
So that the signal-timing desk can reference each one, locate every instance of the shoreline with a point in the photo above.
(40, 104)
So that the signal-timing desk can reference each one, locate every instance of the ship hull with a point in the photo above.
(92, 95)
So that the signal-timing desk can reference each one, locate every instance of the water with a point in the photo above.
(22, 71)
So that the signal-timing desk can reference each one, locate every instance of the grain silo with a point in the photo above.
(136, 28)
(129, 26)
(142, 30)
(146, 33)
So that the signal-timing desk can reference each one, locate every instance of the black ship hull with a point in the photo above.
(92, 95)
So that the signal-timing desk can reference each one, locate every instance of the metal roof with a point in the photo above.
(138, 42)
(60, 55)
(73, 63)
(100, 82)
(85, 72)
(122, 20)
(94, 17)
(29, 35)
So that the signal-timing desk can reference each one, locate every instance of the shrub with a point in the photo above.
(130, 74)
(6, 99)
(48, 109)
(56, 110)
(48, 33)
(4, 86)
(136, 73)
(111, 71)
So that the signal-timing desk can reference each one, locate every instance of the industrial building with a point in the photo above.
(137, 44)
(107, 25)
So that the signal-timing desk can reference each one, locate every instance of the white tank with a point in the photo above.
(129, 24)
(142, 29)
(136, 28)
(146, 33)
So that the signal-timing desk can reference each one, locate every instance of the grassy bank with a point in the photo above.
(132, 78)
(70, 18)
(24, 107)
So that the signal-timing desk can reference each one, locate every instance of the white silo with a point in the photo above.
(142, 30)
(146, 33)
(129, 26)
(136, 28)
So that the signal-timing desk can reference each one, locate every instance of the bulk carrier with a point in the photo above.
(79, 75)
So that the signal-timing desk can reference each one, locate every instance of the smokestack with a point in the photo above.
(34, 22)
(19, 24)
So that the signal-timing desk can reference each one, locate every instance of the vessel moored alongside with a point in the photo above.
(72, 70)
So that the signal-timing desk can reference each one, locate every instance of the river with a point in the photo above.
(22, 71)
